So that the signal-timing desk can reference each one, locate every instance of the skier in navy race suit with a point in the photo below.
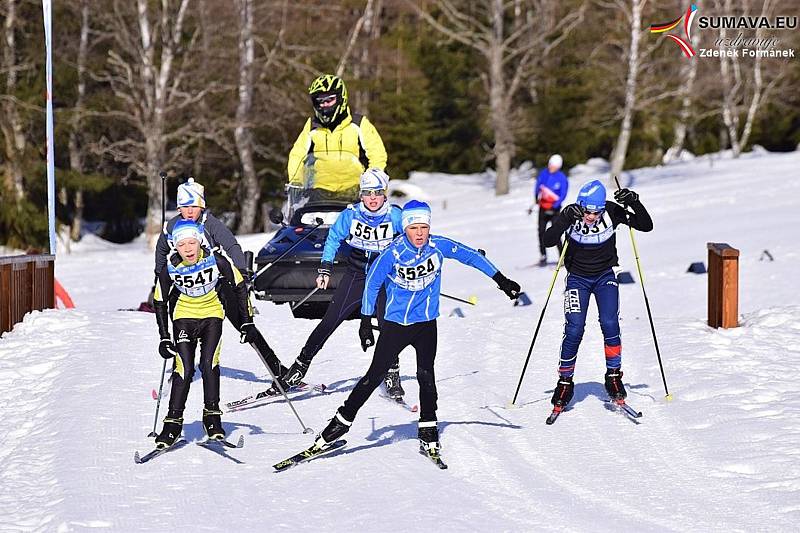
(590, 225)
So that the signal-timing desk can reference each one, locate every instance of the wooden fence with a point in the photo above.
(26, 284)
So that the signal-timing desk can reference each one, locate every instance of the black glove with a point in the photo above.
(510, 287)
(248, 278)
(365, 332)
(626, 197)
(248, 333)
(166, 349)
(572, 212)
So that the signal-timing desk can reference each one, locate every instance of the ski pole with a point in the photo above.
(473, 300)
(280, 388)
(539, 324)
(306, 297)
(319, 222)
(163, 176)
(646, 302)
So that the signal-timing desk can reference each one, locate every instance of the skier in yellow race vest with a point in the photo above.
(338, 145)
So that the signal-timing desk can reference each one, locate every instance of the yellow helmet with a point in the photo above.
(329, 98)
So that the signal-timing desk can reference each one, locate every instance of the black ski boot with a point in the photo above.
(564, 391)
(294, 376)
(428, 435)
(543, 261)
(614, 386)
(212, 422)
(171, 430)
(273, 388)
(337, 427)
(392, 381)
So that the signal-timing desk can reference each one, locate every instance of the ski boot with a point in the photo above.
(273, 389)
(170, 431)
(393, 387)
(212, 422)
(565, 388)
(337, 427)
(614, 386)
(428, 435)
(543, 261)
(294, 376)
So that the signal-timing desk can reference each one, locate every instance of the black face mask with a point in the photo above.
(328, 108)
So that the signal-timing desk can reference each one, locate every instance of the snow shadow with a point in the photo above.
(597, 390)
(401, 432)
(346, 385)
(242, 375)
(195, 432)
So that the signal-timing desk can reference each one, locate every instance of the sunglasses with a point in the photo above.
(378, 192)
(595, 213)
(326, 101)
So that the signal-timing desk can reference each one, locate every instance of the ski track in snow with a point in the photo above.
(724, 455)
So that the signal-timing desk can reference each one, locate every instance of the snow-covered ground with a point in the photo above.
(75, 390)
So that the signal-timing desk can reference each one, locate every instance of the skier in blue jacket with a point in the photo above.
(368, 227)
(550, 190)
(411, 270)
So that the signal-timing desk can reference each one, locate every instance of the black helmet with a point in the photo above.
(329, 98)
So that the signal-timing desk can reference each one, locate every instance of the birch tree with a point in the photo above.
(688, 73)
(11, 121)
(513, 39)
(633, 12)
(738, 84)
(250, 191)
(76, 148)
(364, 67)
(149, 72)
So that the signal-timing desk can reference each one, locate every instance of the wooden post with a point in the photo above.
(26, 284)
(723, 286)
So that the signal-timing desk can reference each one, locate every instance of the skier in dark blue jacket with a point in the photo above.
(550, 190)
(590, 225)
(411, 270)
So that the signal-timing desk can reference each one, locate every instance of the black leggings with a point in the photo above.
(346, 300)
(187, 332)
(229, 303)
(546, 217)
(393, 339)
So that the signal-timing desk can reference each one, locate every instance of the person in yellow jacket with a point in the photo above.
(337, 145)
